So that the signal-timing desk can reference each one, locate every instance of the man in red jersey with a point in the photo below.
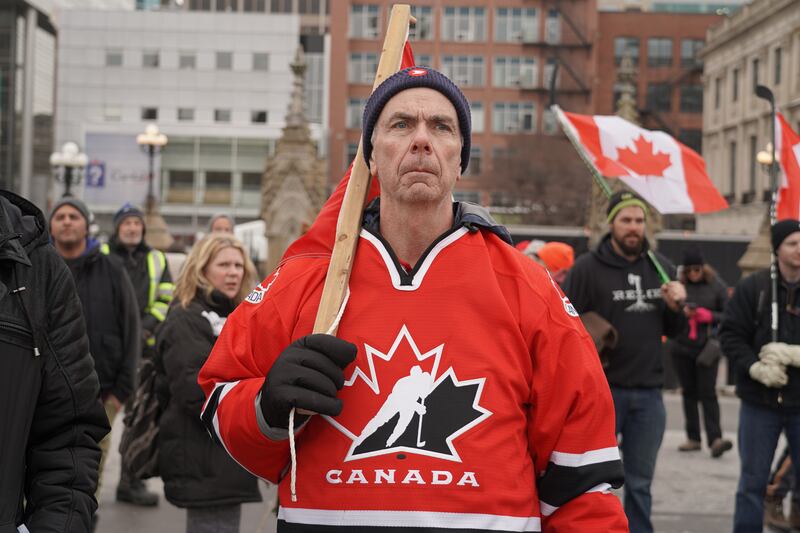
(512, 428)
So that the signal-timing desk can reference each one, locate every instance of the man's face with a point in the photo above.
(627, 229)
(417, 147)
(130, 231)
(68, 226)
(789, 251)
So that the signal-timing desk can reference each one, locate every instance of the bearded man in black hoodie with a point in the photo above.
(619, 281)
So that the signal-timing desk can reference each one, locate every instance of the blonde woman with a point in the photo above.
(198, 474)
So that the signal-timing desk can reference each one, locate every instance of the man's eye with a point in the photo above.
(400, 124)
(443, 127)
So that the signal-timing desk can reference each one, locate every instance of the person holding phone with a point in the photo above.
(706, 297)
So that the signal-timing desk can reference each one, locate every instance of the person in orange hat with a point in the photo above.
(558, 258)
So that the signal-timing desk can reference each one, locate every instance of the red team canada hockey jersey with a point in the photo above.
(476, 402)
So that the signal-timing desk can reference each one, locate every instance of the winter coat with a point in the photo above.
(628, 295)
(711, 294)
(50, 414)
(112, 319)
(746, 328)
(196, 471)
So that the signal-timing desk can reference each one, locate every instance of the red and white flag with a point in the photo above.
(669, 175)
(787, 149)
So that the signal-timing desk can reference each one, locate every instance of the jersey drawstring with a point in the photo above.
(292, 450)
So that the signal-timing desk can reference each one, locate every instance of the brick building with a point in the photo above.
(663, 48)
(503, 55)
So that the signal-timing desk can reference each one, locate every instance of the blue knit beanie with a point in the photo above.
(411, 78)
(126, 211)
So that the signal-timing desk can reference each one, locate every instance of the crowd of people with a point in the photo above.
(469, 384)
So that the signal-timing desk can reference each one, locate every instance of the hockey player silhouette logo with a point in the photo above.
(404, 405)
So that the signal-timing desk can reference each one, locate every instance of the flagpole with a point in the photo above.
(348, 225)
(765, 93)
(600, 179)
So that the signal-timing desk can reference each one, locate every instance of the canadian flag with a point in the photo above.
(787, 148)
(669, 175)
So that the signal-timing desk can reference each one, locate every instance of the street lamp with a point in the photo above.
(151, 142)
(68, 164)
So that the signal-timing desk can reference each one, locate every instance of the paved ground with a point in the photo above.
(692, 492)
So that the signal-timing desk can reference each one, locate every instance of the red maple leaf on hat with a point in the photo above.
(644, 161)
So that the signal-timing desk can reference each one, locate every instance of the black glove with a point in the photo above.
(306, 375)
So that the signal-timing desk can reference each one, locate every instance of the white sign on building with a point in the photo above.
(117, 170)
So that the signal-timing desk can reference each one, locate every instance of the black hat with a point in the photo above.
(77, 204)
(126, 211)
(781, 230)
(620, 200)
(693, 256)
(410, 78)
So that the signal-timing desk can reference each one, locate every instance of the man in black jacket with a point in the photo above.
(149, 273)
(49, 406)
(767, 373)
(109, 305)
(619, 281)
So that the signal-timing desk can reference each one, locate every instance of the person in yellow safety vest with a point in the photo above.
(149, 273)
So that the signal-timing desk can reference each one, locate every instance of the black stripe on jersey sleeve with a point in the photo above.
(207, 416)
(286, 527)
(560, 484)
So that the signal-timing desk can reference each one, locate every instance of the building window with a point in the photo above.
(423, 29)
(222, 115)
(352, 151)
(149, 113)
(549, 122)
(735, 84)
(113, 58)
(255, 6)
(112, 114)
(753, 162)
(732, 168)
(218, 187)
(251, 182)
(355, 110)
(187, 61)
(756, 63)
(717, 92)
(659, 52)
(477, 116)
(364, 21)
(224, 60)
(361, 67)
(689, 49)
(199, 5)
(658, 97)
(150, 59)
(474, 167)
(467, 196)
(514, 117)
(514, 25)
(310, 7)
(626, 45)
(778, 55)
(464, 70)
(185, 114)
(424, 59)
(258, 117)
(515, 71)
(691, 98)
(260, 61)
(549, 71)
(693, 138)
(464, 24)
(281, 6)
(181, 186)
(552, 27)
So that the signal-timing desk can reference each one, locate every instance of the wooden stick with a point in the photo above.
(348, 226)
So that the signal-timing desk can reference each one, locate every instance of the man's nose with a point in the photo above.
(421, 140)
